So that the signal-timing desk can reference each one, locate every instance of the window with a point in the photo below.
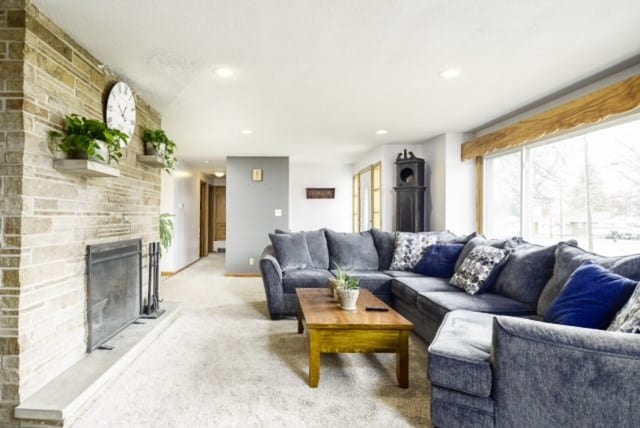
(584, 187)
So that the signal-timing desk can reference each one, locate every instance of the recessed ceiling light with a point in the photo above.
(450, 73)
(219, 174)
(381, 132)
(247, 131)
(224, 72)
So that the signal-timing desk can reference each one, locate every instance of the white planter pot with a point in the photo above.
(348, 298)
(149, 149)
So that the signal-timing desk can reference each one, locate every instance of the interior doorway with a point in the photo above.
(220, 216)
(204, 219)
(367, 198)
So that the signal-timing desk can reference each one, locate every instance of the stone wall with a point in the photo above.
(52, 216)
(12, 35)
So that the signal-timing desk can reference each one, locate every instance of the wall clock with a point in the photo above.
(121, 109)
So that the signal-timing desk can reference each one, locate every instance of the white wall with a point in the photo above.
(434, 151)
(451, 185)
(180, 196)
(312, 214)
(460, 187)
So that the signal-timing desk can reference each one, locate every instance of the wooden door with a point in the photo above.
(211, 224)
(220, 209)
(204, 219)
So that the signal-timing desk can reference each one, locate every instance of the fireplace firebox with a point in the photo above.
(114, 278)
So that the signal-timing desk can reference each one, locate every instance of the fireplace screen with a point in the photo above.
(114, 276)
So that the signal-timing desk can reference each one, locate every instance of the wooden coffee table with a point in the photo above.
(333, 330)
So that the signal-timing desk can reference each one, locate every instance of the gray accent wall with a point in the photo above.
(251, 208)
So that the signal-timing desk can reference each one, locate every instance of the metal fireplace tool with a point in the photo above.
(152, 308)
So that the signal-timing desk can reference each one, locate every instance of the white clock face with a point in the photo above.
(121, 109)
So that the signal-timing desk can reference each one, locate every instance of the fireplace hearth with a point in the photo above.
(114, 278)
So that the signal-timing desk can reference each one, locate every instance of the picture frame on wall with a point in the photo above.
(256, 174)
(321, 192)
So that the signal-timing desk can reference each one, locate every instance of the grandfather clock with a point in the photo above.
(410, 190)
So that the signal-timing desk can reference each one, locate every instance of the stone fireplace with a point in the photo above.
(48, 217)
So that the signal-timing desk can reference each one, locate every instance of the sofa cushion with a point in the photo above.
(402, 274)
(451, 238)
(291, 251)
(480, 269)
(409, 249)
(459, 354)
(439, 303)
(408, 289)
(318, 248)
(473, 243)
(385, 244)
(352, 251)
(374, 281)
(317, 243)
(439, 260)
(627, 320)
(526, 272)
(305, 278)
(591, 298)
(569, 258)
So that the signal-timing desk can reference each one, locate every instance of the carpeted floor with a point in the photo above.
(224, 363)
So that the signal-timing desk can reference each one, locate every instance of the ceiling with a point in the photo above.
(314, 79)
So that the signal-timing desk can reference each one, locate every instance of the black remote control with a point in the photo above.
(376, 308)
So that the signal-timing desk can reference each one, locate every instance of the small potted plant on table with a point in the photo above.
(157, 143)
(88, 139)
(346, 288)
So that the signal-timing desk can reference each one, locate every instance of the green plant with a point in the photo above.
(345, 281)
(82, 135)
(164, 146)
(167, 228)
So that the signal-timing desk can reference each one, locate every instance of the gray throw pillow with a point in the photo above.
(352, 251)
(385, 244)
(569, 258)
(479, 269)
(627, 320)
(291, 251)
(410, 247)
(526, 272)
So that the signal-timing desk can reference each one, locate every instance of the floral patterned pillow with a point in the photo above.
(480, 269)
(409, 249)
(627, 320)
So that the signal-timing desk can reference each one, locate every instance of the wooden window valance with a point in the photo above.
(616, 100)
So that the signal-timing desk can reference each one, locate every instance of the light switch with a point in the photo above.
(277, 212)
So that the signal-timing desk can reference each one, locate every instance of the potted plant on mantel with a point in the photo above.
(88, 139)
(346, 289)
(157, 143)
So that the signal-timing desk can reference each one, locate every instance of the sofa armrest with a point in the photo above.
(553, 375)
(272, 281)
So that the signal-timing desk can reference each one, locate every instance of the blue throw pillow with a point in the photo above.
(439, 260)
(591, 298)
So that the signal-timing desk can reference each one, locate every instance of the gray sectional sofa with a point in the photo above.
(492, 361)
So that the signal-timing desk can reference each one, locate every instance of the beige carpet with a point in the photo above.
(224, 363)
